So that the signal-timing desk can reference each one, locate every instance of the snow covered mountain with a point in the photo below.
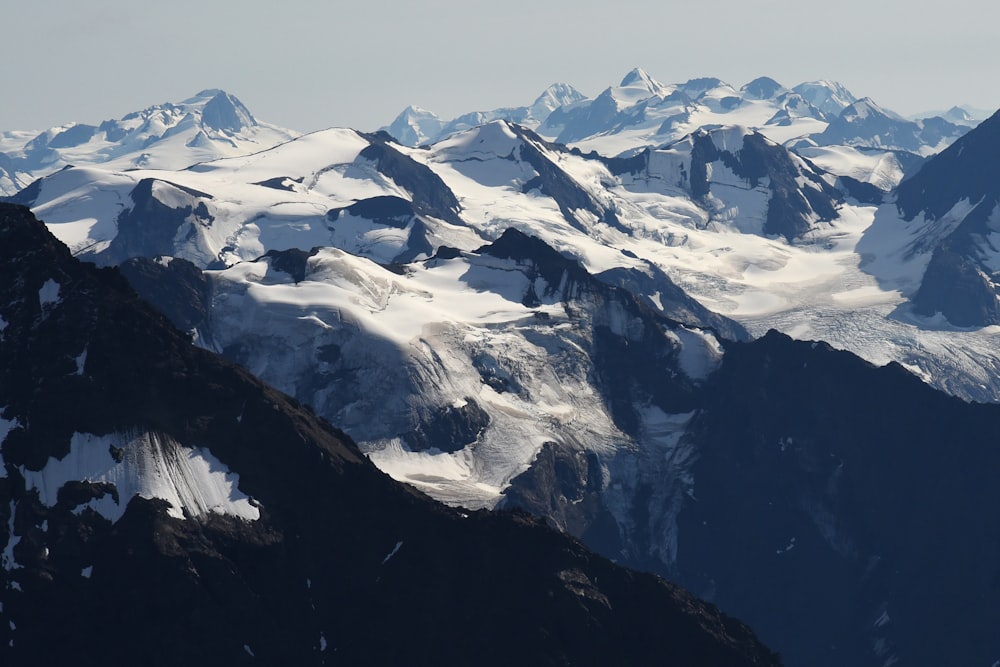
(864, 123)
(161, 506)
(641, 111)
(372, 197)
(960, 115)
(822, 120)
(830, 97)
(210, 125)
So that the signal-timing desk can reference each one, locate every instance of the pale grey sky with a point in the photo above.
(307, 65)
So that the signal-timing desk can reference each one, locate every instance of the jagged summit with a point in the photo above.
(224, 112)
(415, 126)
(555, 96)
(639, 77)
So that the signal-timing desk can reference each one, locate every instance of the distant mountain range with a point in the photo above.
(640, 111)
(210, 125)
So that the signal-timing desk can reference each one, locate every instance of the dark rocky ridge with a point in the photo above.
(965, 170)
(958, 282)
(148, 227)
(431, 196)
(791, 208)
(343, 564)
(398, 213)
(554, 182)
(884, 482)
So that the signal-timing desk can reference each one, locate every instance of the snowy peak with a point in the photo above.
(639, 78)
(644, 112)
(959, 116)
(496, 139)
(555, 96)
(829, 96)
(415, 126)
(762, 88)
(640, 112)
(699, 86)
(225, 113)
(635, 87)
(865, 108)
(211, 110)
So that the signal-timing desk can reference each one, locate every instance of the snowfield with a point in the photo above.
(148, 465)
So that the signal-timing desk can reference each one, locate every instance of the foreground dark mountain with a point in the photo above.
(847, 504)
(341, 563)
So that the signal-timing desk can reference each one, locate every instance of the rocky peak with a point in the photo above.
(225, 113)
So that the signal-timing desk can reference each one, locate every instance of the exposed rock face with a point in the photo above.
(742, 179)
(956, 198)
(430, 194)
(956, 286)
(334, 545)
(177, 287)
(836, 474)
(149, 227)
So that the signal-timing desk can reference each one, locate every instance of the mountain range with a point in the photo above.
(503, 320)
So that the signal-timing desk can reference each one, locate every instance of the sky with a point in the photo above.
(308, 65)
